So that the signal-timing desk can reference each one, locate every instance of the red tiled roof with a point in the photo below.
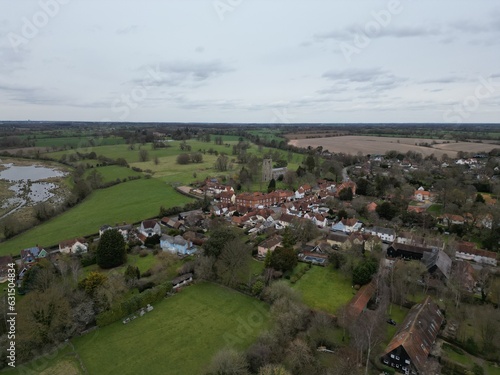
(360, 300)
(418, 332)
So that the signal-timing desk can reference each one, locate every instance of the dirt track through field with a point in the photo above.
(380, 145)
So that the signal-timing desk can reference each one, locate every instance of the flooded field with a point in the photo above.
(25, 185)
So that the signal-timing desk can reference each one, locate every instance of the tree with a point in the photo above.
(283, 259)
(111, 249)
(272, 185)
(95, 179)
(480, 198)
(143, 155)
(310, 163)
(273, 370)
(218, 239)
(183, 159)
(46, 316)
(93, 281)
(228, 362)
(156, 160)
(346, 194)
(132, 273)
(363, 272)
(290, 179)
(221, 163)
(386, 210)
(197, 157)
(233, 262)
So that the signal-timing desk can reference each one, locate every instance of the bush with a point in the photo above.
(147, 273)
(145, 286)
(143, 253)
(471, 346)
(88, 259)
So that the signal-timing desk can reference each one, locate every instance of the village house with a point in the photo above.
(468, 251)
(150, 228)
(122, 229)
(29, 257)
(284, 221)
(177, 245)
(409, 349)
(449, 219)
(347, 225)
(346, 185)
(336, 240)
(317, 254)
(227, 197)
(387, 235)
(318, 219)
(371, 207)
(32, 255)
(405, 251)
(73, 246)
(269, 244)
(422, 195)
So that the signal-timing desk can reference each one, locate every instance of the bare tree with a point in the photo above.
(233, 262)
(221, 163)
(143, 155)
(228, 362)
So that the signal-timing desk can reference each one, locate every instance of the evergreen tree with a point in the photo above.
(111, 249)
(272, 185)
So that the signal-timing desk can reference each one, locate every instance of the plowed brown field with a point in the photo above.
(352, 144)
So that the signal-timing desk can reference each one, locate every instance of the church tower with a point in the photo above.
(267, 170)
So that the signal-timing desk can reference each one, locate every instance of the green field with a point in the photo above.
(179, 337)
(127, 202)
(76, 141)
(325, 289)
(113, 172)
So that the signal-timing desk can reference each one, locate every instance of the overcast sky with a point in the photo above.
(250, 60)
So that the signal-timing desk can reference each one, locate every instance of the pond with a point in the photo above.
(27, 192)
(31, 172)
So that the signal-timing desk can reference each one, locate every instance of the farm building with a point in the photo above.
(409, 349)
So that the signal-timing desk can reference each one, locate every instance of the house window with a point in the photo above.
(397, 358)
(392, 355)
(407, 361)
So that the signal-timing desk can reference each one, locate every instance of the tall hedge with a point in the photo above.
(134, 303)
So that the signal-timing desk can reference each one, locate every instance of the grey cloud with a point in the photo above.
(127, 30)
(353, 75)
(447, 79)
(180, 73)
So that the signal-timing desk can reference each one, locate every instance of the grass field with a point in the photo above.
(325, 289)
(127, 202)
(113, 172)
(76, 141)
(179, 337)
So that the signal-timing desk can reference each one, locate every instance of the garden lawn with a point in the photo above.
(180, 336)
(128, 202)
(323, 288)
